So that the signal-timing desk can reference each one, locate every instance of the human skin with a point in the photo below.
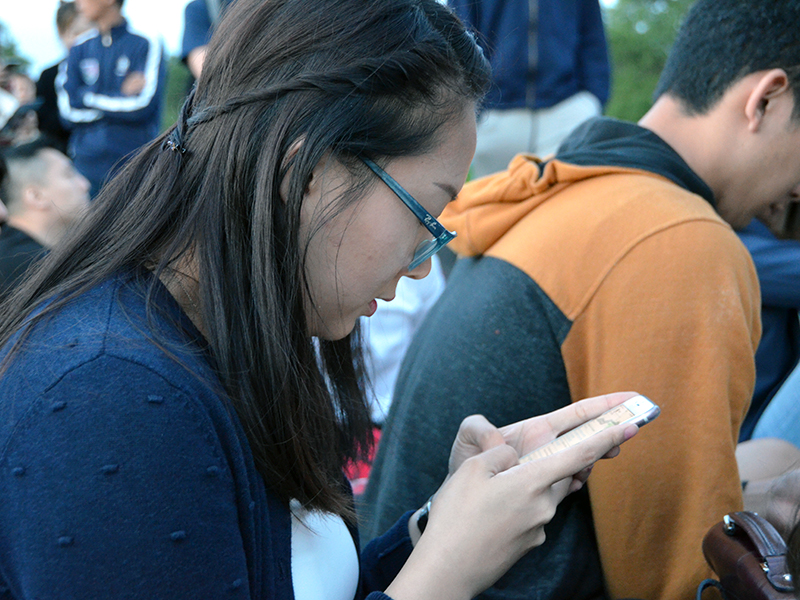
(361, 253)
(746, 147)
(491, 510)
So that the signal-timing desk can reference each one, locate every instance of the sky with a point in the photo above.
(31, 24)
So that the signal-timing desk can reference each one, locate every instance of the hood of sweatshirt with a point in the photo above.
(488, 207)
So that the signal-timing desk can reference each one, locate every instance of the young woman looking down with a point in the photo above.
(181, 381)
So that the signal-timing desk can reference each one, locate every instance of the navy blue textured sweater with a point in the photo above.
(124, 475)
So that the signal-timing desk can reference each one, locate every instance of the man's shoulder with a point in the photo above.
(606, 213)
(17, 252)
(135, 36)
(586, 230)
(641, 200)
(85, 42)
(13, 239)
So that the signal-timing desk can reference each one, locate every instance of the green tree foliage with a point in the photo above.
(640, 33)
(179, 81)
(8, 49)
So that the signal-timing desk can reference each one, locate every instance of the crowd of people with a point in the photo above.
(232, 363)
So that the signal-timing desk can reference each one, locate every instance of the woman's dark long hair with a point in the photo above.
(344, 77)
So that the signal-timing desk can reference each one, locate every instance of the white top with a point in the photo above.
(324, 559)
(390, 330)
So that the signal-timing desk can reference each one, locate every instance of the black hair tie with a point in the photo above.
(173, 142)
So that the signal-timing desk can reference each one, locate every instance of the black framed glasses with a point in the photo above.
(441, 236)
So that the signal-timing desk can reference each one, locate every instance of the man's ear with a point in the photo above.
(32, 197)
(771, 87)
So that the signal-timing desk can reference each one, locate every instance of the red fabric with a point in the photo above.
(358, 472)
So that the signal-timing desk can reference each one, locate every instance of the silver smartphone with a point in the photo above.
(637, 410)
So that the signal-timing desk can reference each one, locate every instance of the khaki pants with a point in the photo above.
(502, 134)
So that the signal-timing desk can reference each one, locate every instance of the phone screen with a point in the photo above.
(610, 418)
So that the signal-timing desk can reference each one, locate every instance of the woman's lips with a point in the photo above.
(373, 306)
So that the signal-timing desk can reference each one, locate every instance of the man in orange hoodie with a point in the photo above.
(615, 266)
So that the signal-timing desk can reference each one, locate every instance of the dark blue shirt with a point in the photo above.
(198, 25)
(778, 266)
(18, 251)
(539, 60)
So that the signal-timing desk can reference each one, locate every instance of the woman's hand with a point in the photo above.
(492, 510)
(477, 435)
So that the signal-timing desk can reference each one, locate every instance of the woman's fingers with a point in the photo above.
(612, 453)
(496, 460)
(583, 475)
(579, 412)
(575, 459)
(537, 431)
(493, 510)
(477, 431)
(475, 435)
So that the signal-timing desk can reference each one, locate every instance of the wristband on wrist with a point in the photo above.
(422, 520)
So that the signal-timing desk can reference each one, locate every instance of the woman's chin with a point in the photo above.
(334, 332)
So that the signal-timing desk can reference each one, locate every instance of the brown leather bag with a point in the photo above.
(749, 557)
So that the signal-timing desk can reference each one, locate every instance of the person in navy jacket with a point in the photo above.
(550, 72)
(777, 263)
(110, 91)
(199, 19)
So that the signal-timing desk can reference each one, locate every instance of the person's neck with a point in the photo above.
(693, 137)
(182, 283)
(110, 19)
(41, 230)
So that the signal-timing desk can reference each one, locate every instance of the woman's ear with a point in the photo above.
(316, 172)
(293, 150)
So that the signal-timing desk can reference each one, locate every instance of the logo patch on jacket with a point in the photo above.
(123, 64)
(90, 70)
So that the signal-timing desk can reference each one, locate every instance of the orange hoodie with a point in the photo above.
(662, 298)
